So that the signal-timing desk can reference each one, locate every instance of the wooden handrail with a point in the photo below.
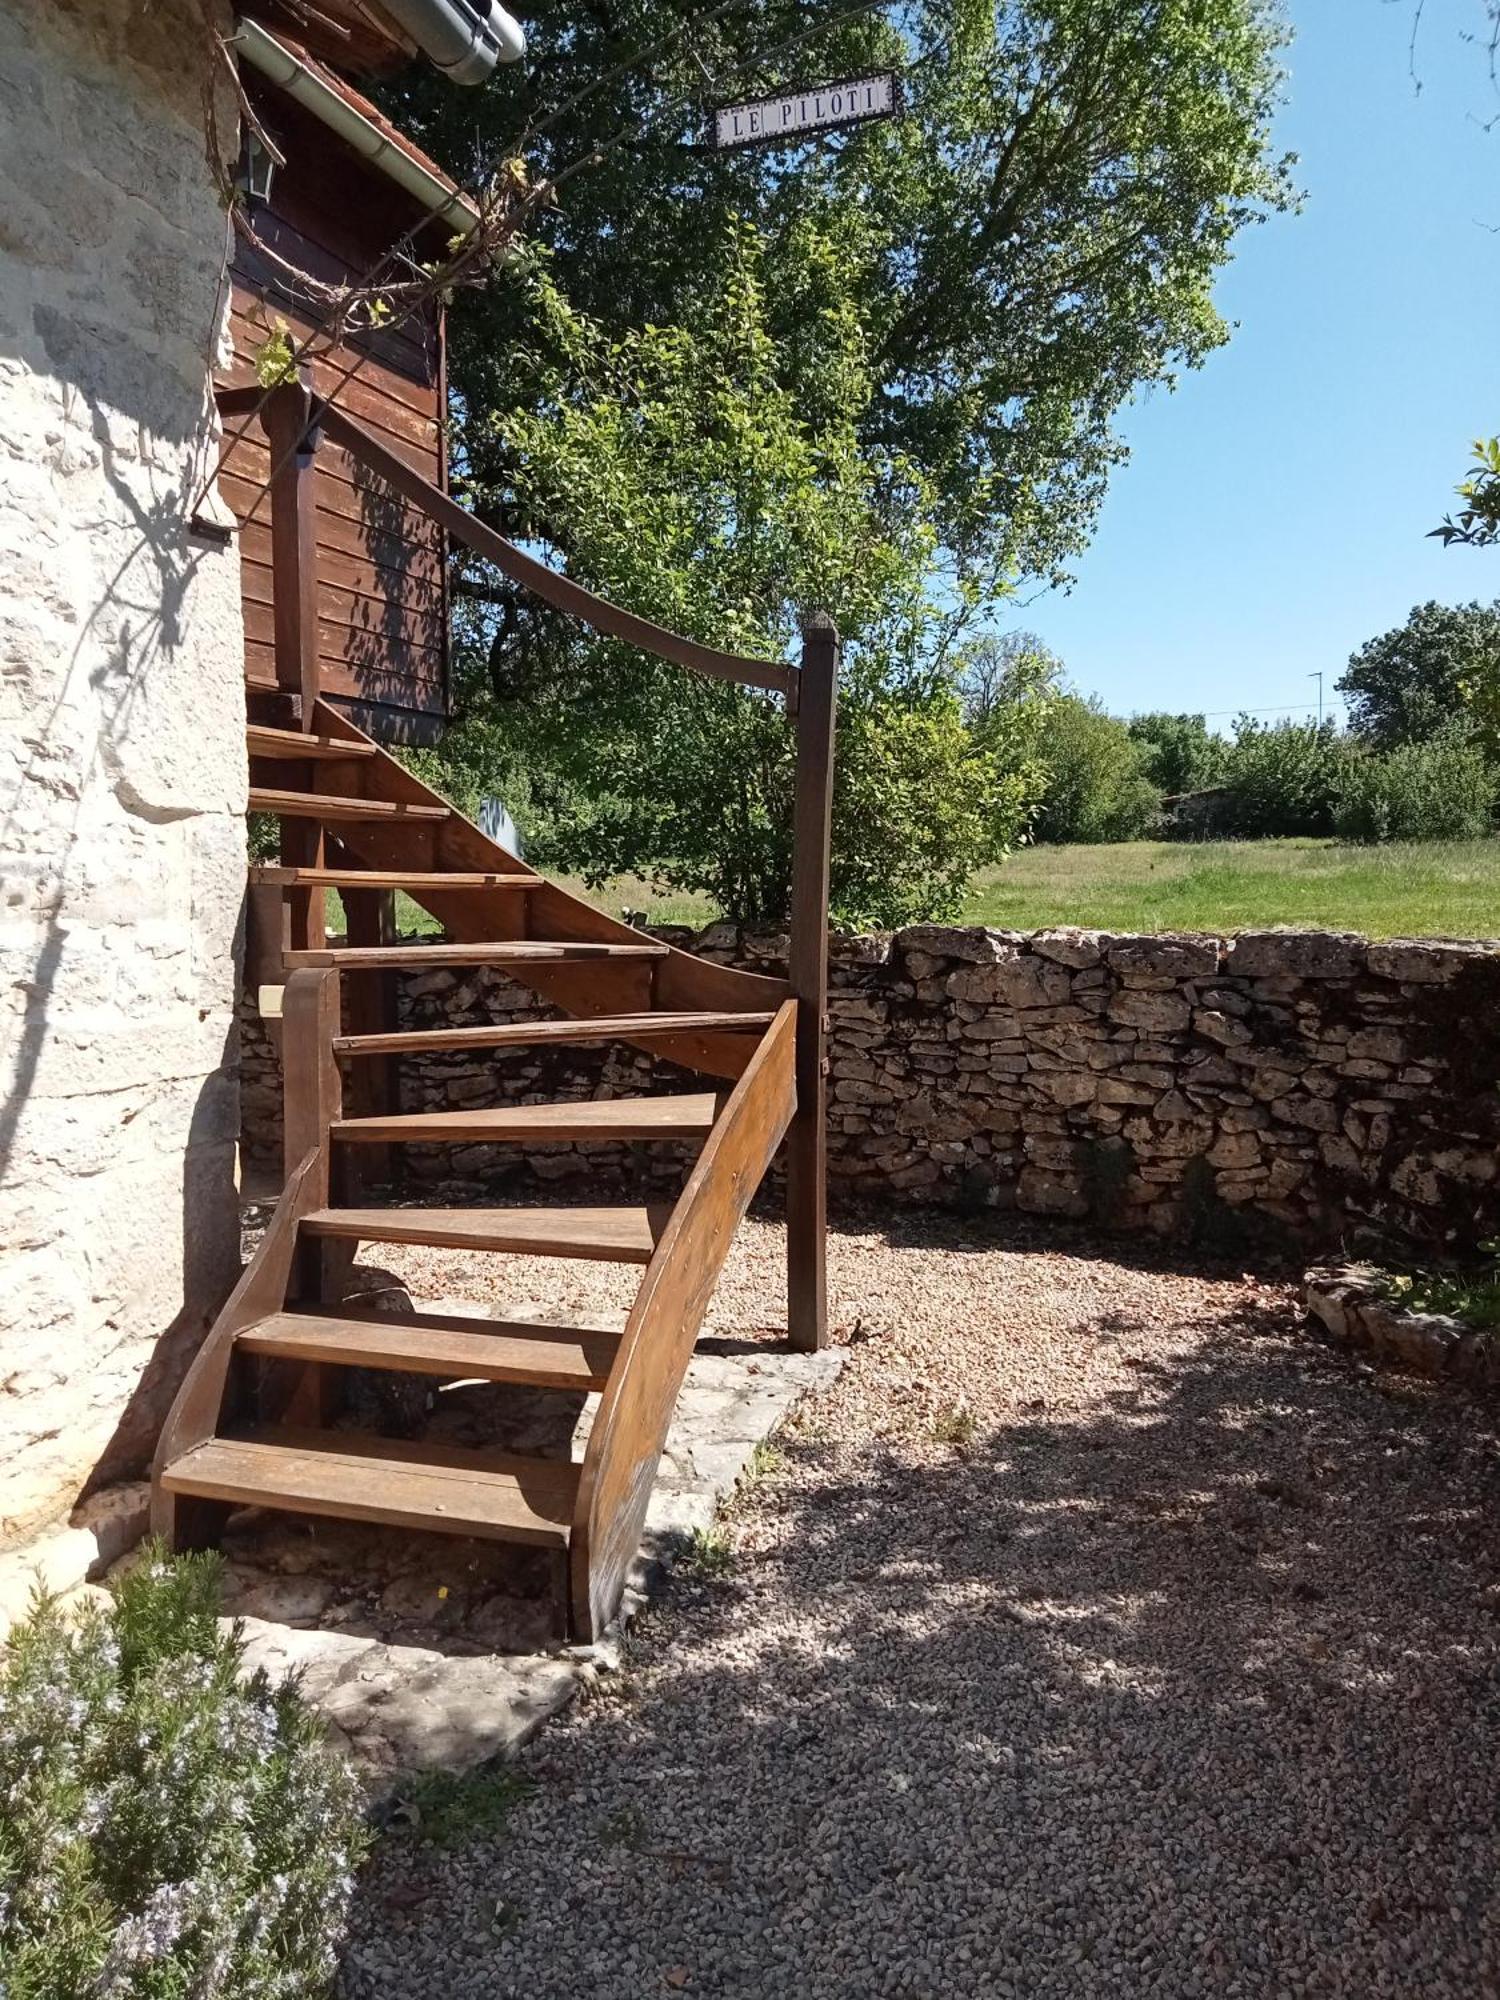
(558, 591)
(630, 1429)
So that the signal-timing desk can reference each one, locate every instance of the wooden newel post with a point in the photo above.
(312, 1087)
(293, 442)
(807, 974)
(312, 1101)
(292, 438)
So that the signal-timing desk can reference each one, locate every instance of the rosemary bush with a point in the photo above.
(169, 1829)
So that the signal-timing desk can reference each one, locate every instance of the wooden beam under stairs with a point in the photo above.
(297, 746)
(329, 806)
(522, 951)
(415, 880)
(614, 1118)
(526, 1034)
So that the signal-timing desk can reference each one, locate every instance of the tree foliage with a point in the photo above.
(1440, 789)
(876, 374)
(1179, 753)
(1097, 788)
(1477, 522)
(1284, 778)
(1034, 240)
(684, 480)
(1408, 684)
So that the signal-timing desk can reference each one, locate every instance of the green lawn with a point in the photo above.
(1441, 889)
(1438, 889)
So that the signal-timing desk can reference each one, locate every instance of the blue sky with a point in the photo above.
(1273, 513)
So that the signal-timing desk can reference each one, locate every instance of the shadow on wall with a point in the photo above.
(137, 619)
(1186, 1689)
(111, 295)
(210, 1267)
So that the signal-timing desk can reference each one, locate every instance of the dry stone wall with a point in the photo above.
(1307, 1081)
(122, 765)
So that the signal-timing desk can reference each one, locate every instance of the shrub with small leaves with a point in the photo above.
(1443, 789)
(172, 1829)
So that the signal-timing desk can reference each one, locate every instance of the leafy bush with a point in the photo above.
(1096, 786)
(171, 1830)
(1439, 790)
(1283, 778)
(1470, 1295)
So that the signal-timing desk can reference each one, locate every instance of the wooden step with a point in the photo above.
(521, 951)
(523, 1034)
(685, 1117)
(327, 805)
(353, 1477)
(602, 1235)
(415, 880)
(291, 745)
(445, 1344)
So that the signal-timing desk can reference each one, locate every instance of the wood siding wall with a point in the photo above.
(381, 565)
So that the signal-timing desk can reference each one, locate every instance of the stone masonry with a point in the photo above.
(1311, 1081)
(122, 765)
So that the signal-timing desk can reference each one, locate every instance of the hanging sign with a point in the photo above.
(797, 113)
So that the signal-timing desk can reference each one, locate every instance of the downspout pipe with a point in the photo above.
(464, 38)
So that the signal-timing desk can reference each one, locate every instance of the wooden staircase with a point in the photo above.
(258, 1421)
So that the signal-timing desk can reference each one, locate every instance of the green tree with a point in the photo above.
(1097, 788)
(993, 666)
(1179, 753)
(916, 411)
(1408, 685)
(1284, 778)
(1031, 242)
(683, 480)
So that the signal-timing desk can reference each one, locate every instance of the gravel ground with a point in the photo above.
(1100, 1634)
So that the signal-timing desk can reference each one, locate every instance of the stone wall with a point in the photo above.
(122, 768)
(1311, 1081)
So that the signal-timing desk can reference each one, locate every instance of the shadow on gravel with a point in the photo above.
(1191, 1693)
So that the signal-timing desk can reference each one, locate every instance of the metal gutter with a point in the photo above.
(265, 53)
(464, 38)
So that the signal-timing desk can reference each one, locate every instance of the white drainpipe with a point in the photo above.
(267, 55)
(465, 38)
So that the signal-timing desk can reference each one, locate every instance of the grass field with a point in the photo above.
(1440, 889)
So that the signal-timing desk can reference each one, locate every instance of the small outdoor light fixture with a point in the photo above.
(257, 167)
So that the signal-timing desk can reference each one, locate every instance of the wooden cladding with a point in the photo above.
(382, 628)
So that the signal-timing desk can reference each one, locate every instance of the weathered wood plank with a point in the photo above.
(294, 1472)
(603, 1235)
(526, 1034)
(617, 1118)
(442, 1344)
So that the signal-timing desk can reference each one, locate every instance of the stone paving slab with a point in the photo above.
(411, 1675)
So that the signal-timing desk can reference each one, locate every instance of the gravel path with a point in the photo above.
(1100, 1634)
